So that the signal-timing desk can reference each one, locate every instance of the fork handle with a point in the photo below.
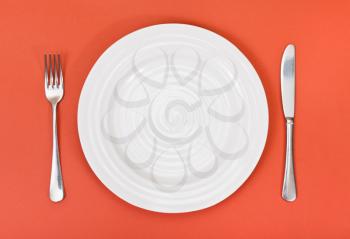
(56, 183)
(289, 188)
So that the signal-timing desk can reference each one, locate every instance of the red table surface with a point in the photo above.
(81, 30)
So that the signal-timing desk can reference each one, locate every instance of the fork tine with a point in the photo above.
(60, 69)
(45, 71)
(50, 70)
(55, 69)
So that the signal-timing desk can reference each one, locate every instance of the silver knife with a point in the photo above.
(288, 99)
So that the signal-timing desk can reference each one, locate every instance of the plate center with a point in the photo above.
(175, 115)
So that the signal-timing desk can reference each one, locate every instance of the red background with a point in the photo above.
(81, 30)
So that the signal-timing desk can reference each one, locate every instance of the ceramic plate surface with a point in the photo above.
(173, 118)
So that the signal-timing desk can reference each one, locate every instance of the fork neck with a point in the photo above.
(54, 117)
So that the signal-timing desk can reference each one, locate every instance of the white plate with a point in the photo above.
(173, 118)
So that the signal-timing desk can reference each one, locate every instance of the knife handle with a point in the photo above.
(289, 188)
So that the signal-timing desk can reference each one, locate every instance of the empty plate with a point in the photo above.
(173, 118)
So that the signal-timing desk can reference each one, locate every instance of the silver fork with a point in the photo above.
(54, 93)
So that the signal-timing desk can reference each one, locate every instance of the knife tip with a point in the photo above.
(290, 48)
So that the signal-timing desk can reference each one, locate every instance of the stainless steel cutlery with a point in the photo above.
(54, 93)
(288, 101)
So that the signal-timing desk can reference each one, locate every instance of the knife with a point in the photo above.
(288, 99)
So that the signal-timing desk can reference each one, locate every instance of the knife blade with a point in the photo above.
(288, 99)
(288, 81)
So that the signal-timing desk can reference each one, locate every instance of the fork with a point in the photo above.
(54, 93)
